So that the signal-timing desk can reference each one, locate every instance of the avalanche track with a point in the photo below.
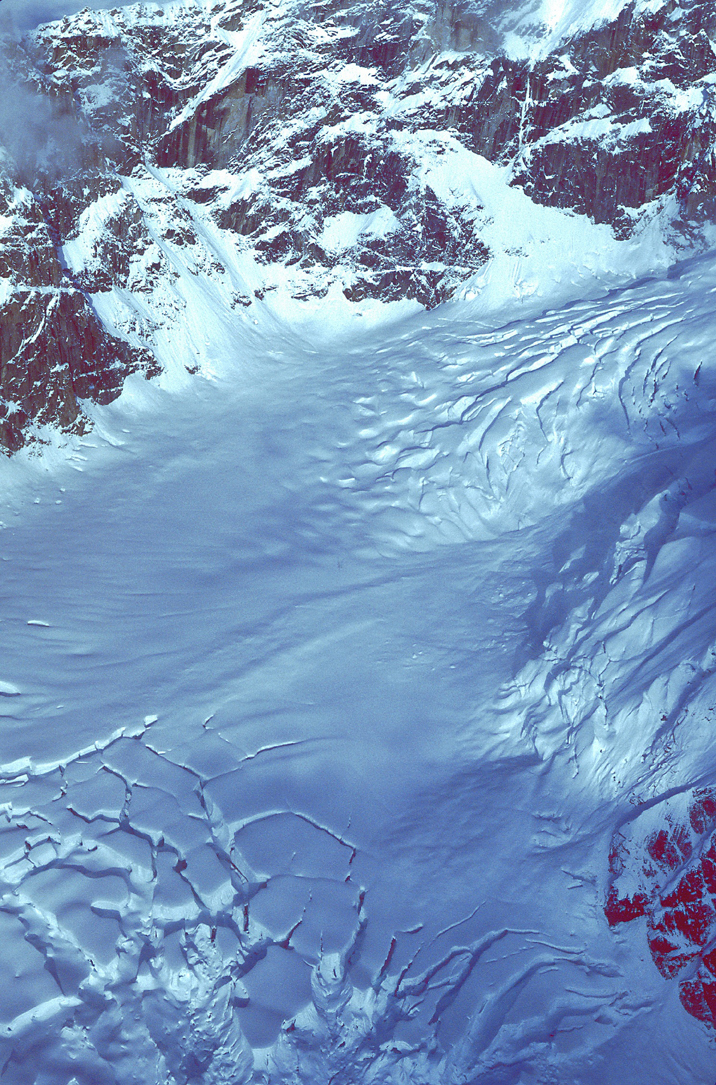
(327, 684)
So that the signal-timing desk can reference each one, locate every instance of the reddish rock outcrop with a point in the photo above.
(675, 878)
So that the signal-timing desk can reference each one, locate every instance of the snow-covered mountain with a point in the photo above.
(295, 153)
(358, 643)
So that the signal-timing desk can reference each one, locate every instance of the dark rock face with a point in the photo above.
(76, 359)
(623, 115)
(54, 351)
(428, 250)
(635, 120)
(322, 109)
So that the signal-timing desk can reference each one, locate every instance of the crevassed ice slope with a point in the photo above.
(326, 679)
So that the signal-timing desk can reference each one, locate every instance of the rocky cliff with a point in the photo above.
(321, 143)
(54, 350)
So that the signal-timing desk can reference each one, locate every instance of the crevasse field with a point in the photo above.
(327, 677)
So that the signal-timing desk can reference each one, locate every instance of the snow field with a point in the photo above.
(322, 663)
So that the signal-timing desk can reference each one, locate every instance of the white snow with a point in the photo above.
(342, 231)
(351, 73)
(537, 29)
(97, 95)
(538, 255)
(346, 650)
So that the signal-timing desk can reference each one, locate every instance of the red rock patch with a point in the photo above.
(676, 891)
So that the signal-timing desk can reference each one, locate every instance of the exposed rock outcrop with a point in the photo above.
(54, 350)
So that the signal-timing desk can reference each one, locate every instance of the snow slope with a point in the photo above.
(327, 678)
(538, 29)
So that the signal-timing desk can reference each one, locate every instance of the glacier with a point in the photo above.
(357, 670)
(328, 677)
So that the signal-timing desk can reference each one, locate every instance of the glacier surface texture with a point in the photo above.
(357, 522)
